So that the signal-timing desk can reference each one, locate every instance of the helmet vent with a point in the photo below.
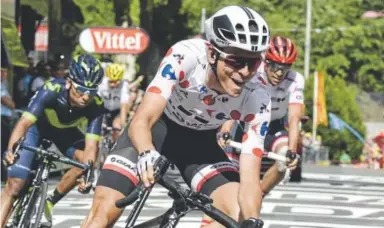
(253, 26)
(228, 35)
(254, 40)
(242, 38)
(264, 40)
(265, 29)
(239, 28)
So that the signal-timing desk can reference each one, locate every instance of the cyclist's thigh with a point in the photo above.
(276, 135)
(110, 116)
(22, 168)
(202, 163)
(119, 169)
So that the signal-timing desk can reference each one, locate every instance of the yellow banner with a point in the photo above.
(322, 116)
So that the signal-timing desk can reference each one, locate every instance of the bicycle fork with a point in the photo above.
(30, 206)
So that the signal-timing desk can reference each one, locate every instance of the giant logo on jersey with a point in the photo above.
(168, 72)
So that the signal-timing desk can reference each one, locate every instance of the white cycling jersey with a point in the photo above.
(289, 91)
(114, 97)
(181, 80)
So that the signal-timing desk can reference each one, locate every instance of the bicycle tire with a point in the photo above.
(16, 211)
(41, 207)
(28, 212)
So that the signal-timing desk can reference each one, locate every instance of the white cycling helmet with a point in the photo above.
(238, 26)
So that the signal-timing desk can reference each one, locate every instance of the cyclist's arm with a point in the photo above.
(92, 138)
(256, 127)
(7, 101)
(6, 98)
(296, 100)
(145, 117)
(35, 109)
(157, 95)
(124, 103)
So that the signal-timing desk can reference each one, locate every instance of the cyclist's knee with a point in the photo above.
(104, 213)
(14, 186)
(225, 199)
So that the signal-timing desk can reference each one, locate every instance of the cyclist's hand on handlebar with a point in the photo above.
(145, 166)
(86, 180)
(293, 160)
(83, 187)
(252, 223)
(223, 139)
(10, 158)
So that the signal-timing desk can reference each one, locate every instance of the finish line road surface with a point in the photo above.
(324, 199)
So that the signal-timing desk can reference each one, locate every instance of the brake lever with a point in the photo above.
(88, 177)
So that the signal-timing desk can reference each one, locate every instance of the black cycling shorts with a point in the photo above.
(201, 162)
(110, 116)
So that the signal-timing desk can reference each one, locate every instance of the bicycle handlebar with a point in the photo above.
(200, 201)
(270, 155)
(87, 168)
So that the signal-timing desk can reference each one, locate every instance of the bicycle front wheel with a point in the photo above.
(30, 208)
(41, 207)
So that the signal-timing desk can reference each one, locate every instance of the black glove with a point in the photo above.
(252, 223)
(292, 156)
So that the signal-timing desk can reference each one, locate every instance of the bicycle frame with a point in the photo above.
(185, 200)
(45, 159)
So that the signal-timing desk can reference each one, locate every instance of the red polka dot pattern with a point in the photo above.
(249, 117)
(257, 152)
(154, 89)
(235, 114)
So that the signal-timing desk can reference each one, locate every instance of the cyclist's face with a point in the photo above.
(80, 96)
(276, 72)
(113, 84)
(235, 68)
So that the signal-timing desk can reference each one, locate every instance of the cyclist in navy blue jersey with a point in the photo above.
(67, 112)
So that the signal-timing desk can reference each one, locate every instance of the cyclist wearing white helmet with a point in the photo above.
(199, 85)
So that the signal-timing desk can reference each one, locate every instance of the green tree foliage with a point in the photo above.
(12, 42)
(340, 100)
(41, 6)
(95, 13)
(343, 43)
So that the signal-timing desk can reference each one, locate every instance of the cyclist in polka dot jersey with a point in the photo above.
(199, 85)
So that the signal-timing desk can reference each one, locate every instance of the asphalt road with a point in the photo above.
(327, 198)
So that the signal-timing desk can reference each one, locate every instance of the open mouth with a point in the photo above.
(239, 83)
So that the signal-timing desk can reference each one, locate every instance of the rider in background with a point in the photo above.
(115, 93)
(69, 113)
(286, 87)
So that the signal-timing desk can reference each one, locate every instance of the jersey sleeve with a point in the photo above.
(176, 65)
(296, 92)
(124, 96)
(256, 118)
(44, 96)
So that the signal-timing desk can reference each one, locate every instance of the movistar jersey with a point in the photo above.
(50, 109)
